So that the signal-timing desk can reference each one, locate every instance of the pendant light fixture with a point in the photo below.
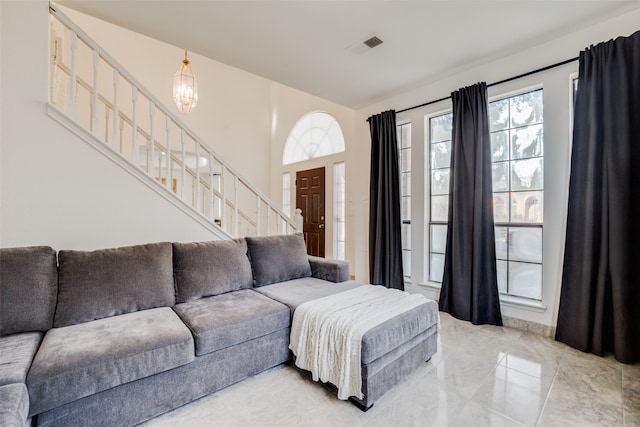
(185, 88)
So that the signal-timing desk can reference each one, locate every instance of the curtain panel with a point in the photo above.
(385, 242)
(469, 287)
(599, 304)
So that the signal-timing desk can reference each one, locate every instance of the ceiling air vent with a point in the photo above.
(373, 42)
(363, 45)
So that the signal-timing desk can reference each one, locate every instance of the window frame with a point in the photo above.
(339, 210)
(509, 224)
(405, 128)
(431, 223)
(286, 193)
(298, 148)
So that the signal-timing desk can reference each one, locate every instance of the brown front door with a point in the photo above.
(310, 198)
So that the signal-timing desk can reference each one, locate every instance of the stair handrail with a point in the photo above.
(291, 224)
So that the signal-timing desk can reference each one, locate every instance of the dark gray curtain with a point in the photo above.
(600, 298)
(469, 287)
(385, 244)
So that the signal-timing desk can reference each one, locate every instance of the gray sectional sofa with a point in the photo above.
(119, 336)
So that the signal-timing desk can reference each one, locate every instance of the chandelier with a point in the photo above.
(185, 88)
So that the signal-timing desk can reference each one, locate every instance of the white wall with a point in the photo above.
(57, 190)
(557, 101)
(243, 117)
(290, 105)
(233, 115)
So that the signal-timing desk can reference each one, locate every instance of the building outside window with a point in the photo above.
(517, 136)
(339, 211)
(404, 157)
(286, 193)
(439, 168)
(316, 134)
(517, 139)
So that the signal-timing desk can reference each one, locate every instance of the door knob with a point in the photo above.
(321, 226)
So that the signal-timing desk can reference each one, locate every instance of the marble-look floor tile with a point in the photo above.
(589, 359)
(530, 361)
(461, 373)
(450, 328)
(631, 377)
(544, 346)
(594, 377)
(503, 331)
(423, 405)
(527, 326)
(477, 415)
(334, 413)
(514, 394)
(569, 408)
(274, 397)
(631, 419)
(631, 394)
(442, 354)
(476, 342)
(631, 399)
(480, 376)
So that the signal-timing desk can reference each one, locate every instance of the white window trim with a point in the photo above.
(508, 300)
(427, 197)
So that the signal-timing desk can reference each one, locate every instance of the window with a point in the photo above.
(517, 134)
(439, 168)
(339, 211)
(315, 135)
(404, 157)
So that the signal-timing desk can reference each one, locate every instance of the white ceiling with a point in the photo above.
(308, 44)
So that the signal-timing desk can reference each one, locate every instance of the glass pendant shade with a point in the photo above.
(185, 88)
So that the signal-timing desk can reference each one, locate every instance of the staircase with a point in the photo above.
(96, 98)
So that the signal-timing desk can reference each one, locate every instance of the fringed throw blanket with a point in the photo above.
(326, 333)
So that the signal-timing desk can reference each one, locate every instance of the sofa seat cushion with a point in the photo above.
(16, 355)
(298, 291)
(28, 289)
(225, 320)
(80, 360)
(14, 405)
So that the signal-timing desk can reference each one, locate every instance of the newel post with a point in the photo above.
(299, 220)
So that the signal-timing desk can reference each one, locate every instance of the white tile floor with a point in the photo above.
(481, 376)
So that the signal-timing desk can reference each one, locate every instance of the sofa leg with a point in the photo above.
(360, 406)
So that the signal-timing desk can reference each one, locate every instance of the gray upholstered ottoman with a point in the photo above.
(391, 351)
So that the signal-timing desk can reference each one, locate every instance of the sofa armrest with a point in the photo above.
(331, 270)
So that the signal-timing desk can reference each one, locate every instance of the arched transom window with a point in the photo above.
(315, 135)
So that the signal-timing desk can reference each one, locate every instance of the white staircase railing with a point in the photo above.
(98, 94)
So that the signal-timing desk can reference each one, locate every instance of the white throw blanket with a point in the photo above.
(326, 333)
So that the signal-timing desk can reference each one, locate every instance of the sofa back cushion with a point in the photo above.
(107, 282)
(210, 268)
(278, 258)
(28, 289)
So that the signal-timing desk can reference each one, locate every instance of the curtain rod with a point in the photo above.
(539, 70)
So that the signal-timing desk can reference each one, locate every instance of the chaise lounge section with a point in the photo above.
(119, 336)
